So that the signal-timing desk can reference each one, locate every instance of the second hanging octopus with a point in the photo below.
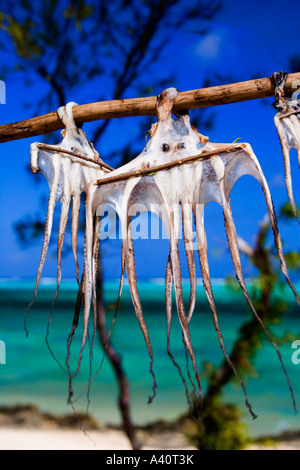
(175, 176)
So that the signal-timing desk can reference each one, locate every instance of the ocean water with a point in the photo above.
(31, 375)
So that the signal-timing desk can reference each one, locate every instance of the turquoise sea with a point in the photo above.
(32, 376)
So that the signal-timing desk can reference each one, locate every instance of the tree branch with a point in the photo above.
(201, 98)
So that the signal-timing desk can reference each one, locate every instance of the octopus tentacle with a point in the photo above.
(235, 256)
(65, 206)
(202, 252)
(79, 302)
(121, 284)
(87, 292)
(296, 123)
(132, 281)
(168, 293)
(74, 231)
(113, 321)
(187, 223)
(75, 324)
(176, 271)
(46, 240)
(177, 281)
(126, 209)
(88, 270)
(95, 267)
(187, 226)
(274, 224)
(287, 164)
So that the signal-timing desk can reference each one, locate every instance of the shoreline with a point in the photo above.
(28, 428)
(109, 439)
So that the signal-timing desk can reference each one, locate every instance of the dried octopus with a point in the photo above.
(68, 167)
(175, 176)
(287, 122)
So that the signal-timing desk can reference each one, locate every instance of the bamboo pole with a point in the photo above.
(201, 98)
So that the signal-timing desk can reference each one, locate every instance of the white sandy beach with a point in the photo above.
(107, 439)
(65, 439)
(28, 428)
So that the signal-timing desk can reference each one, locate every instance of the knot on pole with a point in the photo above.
(279, 79)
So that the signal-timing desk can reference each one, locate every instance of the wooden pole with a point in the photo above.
(104, 166)
(166, 166)
(202, 98)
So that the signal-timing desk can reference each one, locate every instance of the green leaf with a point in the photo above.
(293, 259)
(287, 212)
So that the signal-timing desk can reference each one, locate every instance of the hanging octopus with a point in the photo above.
(175, 176)
(287, 122)
(68, 167)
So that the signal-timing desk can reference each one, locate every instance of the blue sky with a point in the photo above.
(247, 39)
